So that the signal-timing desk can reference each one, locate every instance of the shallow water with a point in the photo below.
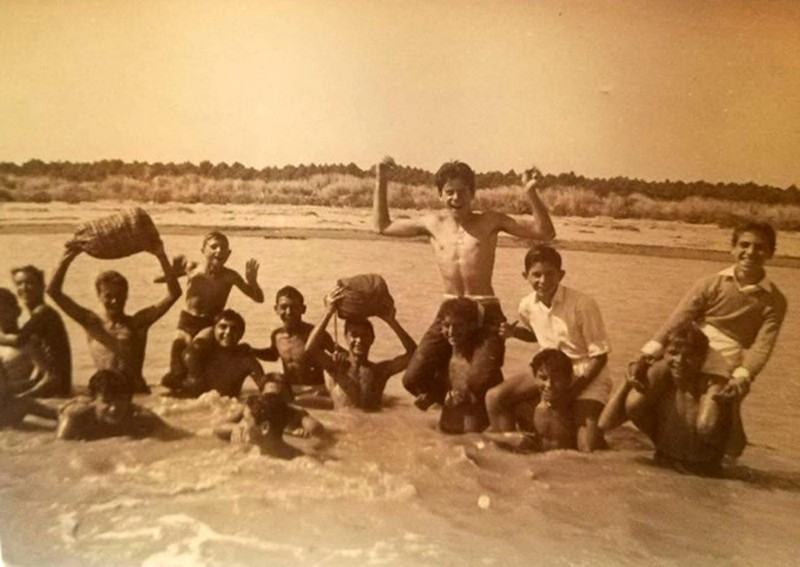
(387, 488)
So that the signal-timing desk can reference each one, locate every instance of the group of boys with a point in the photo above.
(684, 390)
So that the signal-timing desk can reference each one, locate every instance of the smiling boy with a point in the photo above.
(557, 317)
(464, 243)
(117, 341)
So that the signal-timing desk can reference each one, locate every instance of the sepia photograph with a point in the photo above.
(405, 283)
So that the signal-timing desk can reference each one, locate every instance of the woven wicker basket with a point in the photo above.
(118, 235)
(365, 295)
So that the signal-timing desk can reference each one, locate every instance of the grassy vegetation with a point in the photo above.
(344, 190)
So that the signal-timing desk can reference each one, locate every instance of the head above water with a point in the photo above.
(289, 305)
(112, 290)
(685, 351)
(113, 395)
(453, 170)
(359, 334)
(229, 328)
(552, 369)
(29, 282)
(216, 248)
(461, 321)
(269, 410)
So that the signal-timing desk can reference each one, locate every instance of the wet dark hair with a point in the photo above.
(763, 228)
(37, 274)
(455, 170)
(690, 334)
(555, 362)
(216, 235)
(270, 408)
(111, 278)
(461, 307)
(232, 316)
(543, 254)
(290, 292)
(358, 322)
(109, 384)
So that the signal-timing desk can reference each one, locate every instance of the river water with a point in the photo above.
(387, 488)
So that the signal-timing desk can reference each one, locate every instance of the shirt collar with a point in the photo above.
(764, 283)
(558, 297)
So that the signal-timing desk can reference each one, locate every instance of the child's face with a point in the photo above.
(227, 333)
(359, 340)
(684, 361)
(456, 195)
(290, 310)
(216, 252)
(751, 251)
(29, 289)
(113, 409)
(459, 331)
(552, 388)
(544, 279)
(112, 297)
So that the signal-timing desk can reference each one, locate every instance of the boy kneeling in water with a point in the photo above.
(357, 381)
(109, 411)
(13, 409)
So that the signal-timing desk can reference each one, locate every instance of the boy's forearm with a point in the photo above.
(314, 338)
(10, 339)
(542, 224)
(405, 339)
(54, 288)
(170, 277)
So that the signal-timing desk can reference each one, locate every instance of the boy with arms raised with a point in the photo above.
(289, 343)
(117, 341)
(557, 317)
(216, 361)
(464, 243)
(43, 334)
(677, 406)
(207, 293)
(740, 311)
(357, 381)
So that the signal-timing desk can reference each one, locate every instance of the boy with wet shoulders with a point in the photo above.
(13, 409)
(676, 405)
(207, 291)
(216, 361)
(288, 343)
(117, 341)
(558, 317)
(19, 363)
(44, 334)
(108, 411)
(355, 380)
(464, 409)
(464, 243)
(740, 311)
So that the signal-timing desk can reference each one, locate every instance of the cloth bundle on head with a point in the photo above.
(365, 295)
(118, 235)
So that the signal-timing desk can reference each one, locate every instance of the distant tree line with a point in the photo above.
(142, 171)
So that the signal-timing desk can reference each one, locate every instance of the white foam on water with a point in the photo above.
(155, 533)
(115, 504)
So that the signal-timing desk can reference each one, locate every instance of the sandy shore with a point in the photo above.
(603, 234)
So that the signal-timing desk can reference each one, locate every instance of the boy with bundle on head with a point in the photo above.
(464, 243)
(207, 293)
(464, 409)
(216, 361)
(288, 343)
(740, 311)
(676, 405)
(117, 341)
(557, 317)
(43, 335)
(108, 411)
(355, 380)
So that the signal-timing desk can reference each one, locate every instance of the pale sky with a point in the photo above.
(679, 90)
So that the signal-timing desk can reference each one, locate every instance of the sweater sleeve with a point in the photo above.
(757, 355)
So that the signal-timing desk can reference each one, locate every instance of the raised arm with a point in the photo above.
(380, 208)
(84, 317)
(538, 225)
(150, 315)
(315, 338)
(249, 285)
(270, 353)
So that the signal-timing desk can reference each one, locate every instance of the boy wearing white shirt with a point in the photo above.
(557, 317)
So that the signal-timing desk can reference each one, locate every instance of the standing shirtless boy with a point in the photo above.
(464, 243)
(45, 335)
(357, 381)
(207, 293)
(117, 341)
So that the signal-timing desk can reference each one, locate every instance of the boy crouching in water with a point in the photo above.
(207, 292)
(357, 381)
(552, 423)
(216, 361)
(13, 409)
(109, 411)
(682, 410)
(464, 407)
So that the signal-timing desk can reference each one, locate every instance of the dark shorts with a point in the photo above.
(193, 324)
(427, 370)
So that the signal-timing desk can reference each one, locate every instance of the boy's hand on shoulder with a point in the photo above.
(507, 330)
(251, 271)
